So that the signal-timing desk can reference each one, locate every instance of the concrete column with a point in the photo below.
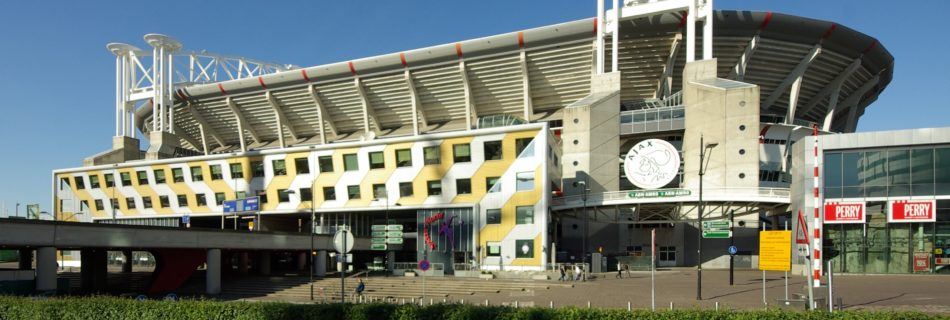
(213, 274)
(26, 259)
(320, 263)
(45, 269)
(93, 271)
(242, 263)
(127, 264)
(302, 261)
(263, 260)
(390, 261)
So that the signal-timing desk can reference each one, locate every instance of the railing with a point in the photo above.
(778, 194)
(653, 120)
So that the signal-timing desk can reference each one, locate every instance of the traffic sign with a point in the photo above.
(379, 234)
(716, 225)
(394, 240)
(424, 265)
(394, 227)
(775, 250)
(733, 250)
(717, 234)
(393, 234)
(185, 219)
(343, 237)
(378, 246)
(242, 205)
(379, 227)
(379, 240)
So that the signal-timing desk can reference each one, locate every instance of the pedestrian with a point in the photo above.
(360, 287)
(626, 268)
(619, 270)
(577, 272)
(563, 274)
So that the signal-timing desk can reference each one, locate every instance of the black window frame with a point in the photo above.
(236, 174)
(159, 178)
(304, 168)
(138, 177)
(331, 191)
(429, 188)
(278, 170)
(350, 194)
(433, 161)
(197, 173)
(404, 163)
(493, 150)
(463, 186)
(375, 165)
(402, 188)
(493, 216)
(324, 161)
(456, 158)
(356, 162)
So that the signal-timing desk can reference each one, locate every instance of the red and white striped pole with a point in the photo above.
(817, 222)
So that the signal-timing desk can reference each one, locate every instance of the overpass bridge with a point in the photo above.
(178, 251)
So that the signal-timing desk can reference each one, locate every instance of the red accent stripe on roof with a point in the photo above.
(305, 76)
(520, 39)
(402, 57)
(352, 68)
(762, 133)
(829, 31)
(261, 81)
(765, 22)
(870, 47)
(595, 27)
(682, 19)
(458, 49)
(220, 87)
(180, 94)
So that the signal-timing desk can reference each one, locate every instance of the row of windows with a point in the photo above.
(431, 156)
(523, 215)
(525, 182)
(201, 200)
(523, 249)
(889, 172)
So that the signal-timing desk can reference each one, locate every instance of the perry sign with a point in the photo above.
(844, 212)
(912, 211)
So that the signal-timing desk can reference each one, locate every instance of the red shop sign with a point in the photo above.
(912, 211)
(844, 212)
(921, 262)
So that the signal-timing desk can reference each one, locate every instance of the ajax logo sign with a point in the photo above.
(651, 163)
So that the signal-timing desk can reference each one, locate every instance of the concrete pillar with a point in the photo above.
(302, 261)
(242, 263)
(263, 260)
(390, 261)
(213, 274)
(320, 264)
(93, 271)
(127, 264)
(26, 259)
(45, 269)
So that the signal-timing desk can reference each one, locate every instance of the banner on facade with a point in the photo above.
(844, 212)
(912, 211)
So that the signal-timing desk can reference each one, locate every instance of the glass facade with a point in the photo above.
(876, 176)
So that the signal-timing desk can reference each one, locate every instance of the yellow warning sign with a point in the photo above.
(775, 250)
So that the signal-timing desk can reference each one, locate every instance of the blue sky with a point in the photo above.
(57, 79)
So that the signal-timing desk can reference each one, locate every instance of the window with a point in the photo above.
(431, 155)
(353, 192)
(94, 181)
(525, 249)
(196, 174)
(492, 150)
(130, 203)
(463, 186)
(490, 182)
(376, 160)
(379, 191)
(283, 196)
(493, 216)
(434, 187)
(178, 175)
(219, 198)
(942, 175)
(147, 202)
(80, 183)
(329, 193)
(114, 203)
(142, 177)
(110, 180)
(237, 171)
(350, 162)
(462, 152)
(403, 158)
(99, 205)
(521, 144)
(405, 189)
(63, 183)
(201, 199)
(306, 194)
(326, 163)
(524, 215)
(216, 173)
(302, 165)
(494, 249)
(257, 169)
(922, 172)
(182, 200)
(83, 205)
(159, 176)
(262, 196)
(525, 181)
(279, 167)
(163, 202)
(126, 179)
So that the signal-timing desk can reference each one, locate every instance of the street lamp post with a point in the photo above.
(586, 223)
(702, 207)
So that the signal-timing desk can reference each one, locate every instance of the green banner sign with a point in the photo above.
(638, 194)
(379, 240)
(716, 225)
(394, 227)
(379, 227)
(393, 234)
(379, 234)
(717, 234)
(378, 246)
(394, 240)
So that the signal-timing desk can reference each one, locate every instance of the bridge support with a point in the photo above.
(26, 259)
(263, 263)
(45, 269)
(242, 263)
(93, 272)
(213, 275)
(127, 264)
(320, 264)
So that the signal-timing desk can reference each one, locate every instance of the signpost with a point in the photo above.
(343, 243)
(775, 253)
(653, 268)
(186, 219)
(384, 234)
(717, 229)
(239, 206)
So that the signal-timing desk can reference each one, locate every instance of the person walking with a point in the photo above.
(577, 272)
(563, 274)
(619, 270)
(626, 268)
(360, 288)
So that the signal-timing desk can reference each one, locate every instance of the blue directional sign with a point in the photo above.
(185, 219)
(250, 204)
(230, 206)
(733, 250)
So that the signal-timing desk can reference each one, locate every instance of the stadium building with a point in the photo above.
(515, 151)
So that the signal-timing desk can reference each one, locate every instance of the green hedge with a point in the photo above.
(118, 308)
